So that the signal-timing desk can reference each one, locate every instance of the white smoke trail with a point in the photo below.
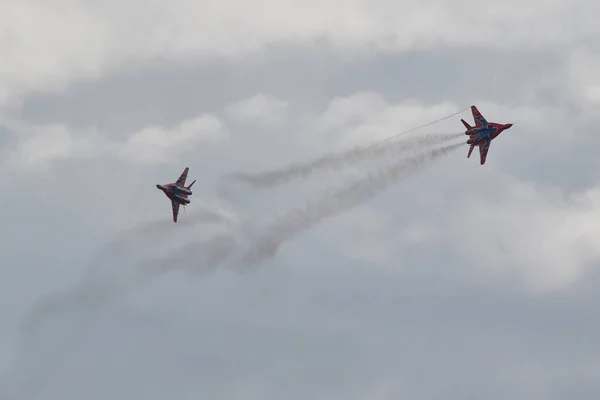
(337, 161)
(295, 222)
(149, 233)
(198, 257)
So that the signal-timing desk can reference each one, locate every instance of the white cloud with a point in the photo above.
(261, 107)
(542, 235)
(49, 43)
(40, 144)
(358, 107)
(584, 74)
(357, 119)
(159, 144)
(367, 117)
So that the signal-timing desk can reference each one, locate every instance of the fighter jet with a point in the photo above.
(482, 134)
(178, 193)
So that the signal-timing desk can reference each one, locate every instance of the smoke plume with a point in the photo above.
(337, 161)
(292, 224)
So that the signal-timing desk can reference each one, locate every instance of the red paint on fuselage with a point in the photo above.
(171, 191)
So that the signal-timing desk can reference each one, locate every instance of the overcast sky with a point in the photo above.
(457, 282)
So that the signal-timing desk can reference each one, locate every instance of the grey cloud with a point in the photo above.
(313, 321)
(167, 93)
(337, 334)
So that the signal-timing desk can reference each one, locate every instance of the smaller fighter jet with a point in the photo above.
(178, 193)
(482, 133)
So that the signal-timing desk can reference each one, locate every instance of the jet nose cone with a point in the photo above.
(508, 125)
(158, 186)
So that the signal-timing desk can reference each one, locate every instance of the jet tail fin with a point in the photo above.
(191, 184)
(470, 151)
(466, 124)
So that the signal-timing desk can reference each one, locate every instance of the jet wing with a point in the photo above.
(182, 177)
(175, 207)
(483, 150)
(478, 118)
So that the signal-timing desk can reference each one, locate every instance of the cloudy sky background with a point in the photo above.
(459, 282)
